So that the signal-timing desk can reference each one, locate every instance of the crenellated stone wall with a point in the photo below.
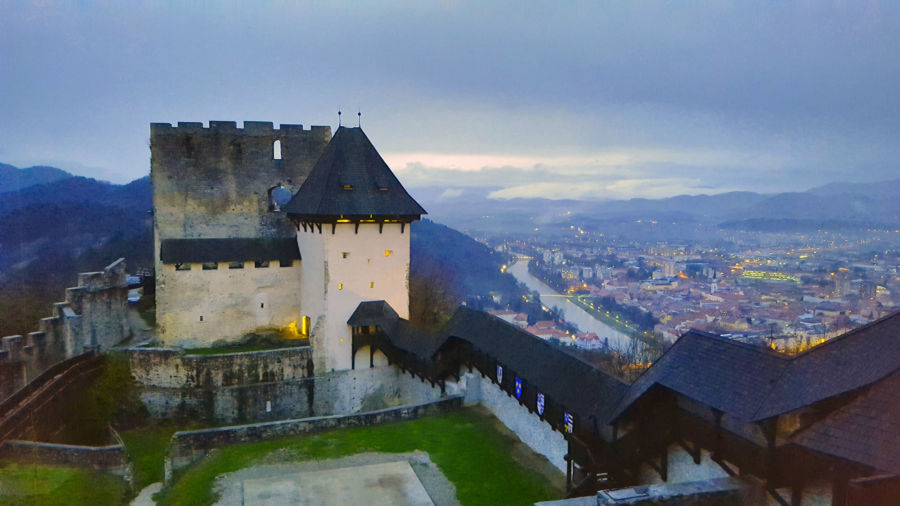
(93, 316)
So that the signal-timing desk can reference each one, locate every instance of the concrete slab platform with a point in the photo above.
(392, 483)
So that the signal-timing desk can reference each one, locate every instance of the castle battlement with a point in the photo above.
(249, 128)
(92, 316)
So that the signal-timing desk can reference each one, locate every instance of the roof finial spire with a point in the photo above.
(358, 118)
(339, 117)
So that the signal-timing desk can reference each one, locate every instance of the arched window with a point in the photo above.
(276, 150)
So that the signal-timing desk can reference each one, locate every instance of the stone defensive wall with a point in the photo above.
(93, 317)
(265, 385)
(190, 446)
(215, 181)
(111, 459)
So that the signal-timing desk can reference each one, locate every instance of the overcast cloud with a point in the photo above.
(584, 100)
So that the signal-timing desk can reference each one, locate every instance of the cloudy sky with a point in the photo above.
(556, 99)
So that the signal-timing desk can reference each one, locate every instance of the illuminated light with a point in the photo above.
(371, 284)
(388, 252)
(343, 221)
(340, 286)
(342, 339)
(304, 326)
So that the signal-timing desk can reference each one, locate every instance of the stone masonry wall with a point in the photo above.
(190, 446)
(93, 316)
(264, 385)
(213, 182)
(112, 459)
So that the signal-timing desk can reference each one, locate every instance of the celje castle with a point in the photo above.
(259, 227)
(306, 233)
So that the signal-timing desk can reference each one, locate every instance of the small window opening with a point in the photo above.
(388, 252)
(235, 265)
(261, 264)
(262, 305)
(276, 150)
(371, 284)
(182, 267)
(348, 186)
(382, 188)
(340, 286)
(201, 318)
(285, 263)
(345, 254)
(210, 266)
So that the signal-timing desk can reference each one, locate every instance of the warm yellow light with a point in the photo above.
(388, 252)
(343, 221)
(340, 286)
(371, 284)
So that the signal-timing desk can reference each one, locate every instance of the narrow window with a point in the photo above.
(276, 150)
(340, 286)
(201, 318)
(182, 267)
(210, 266)
(285, 263)
(388, 252)
(262, 305)
(235, 265)
(345, 254)
(371, 284)
(261, 264)
(348, 187)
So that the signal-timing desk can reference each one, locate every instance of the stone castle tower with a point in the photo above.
(258, 227)
(352, 217)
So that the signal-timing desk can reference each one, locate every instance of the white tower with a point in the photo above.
(353, 224)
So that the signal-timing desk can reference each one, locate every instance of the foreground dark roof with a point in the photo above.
(718, 372)
(754, 384)
(372, 312)
(866, 430)
(227, 250)
(578, 385)
(351, 180)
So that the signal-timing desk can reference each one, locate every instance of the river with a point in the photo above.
(572, 313)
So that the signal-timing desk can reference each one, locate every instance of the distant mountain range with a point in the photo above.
(14, 179)
(843, 205)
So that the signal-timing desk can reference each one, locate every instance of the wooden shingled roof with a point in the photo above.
(351, 181)
(866, 430)
(754, 384)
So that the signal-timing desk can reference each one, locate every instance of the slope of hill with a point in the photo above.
(14, 179)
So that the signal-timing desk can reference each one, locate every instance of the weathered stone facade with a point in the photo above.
(93, 316)
(216, 183)
(264, 385)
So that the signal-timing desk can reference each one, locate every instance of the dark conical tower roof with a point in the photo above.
(352, 181)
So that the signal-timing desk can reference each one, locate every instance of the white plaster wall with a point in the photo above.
(228, 299)
(527, 426)
(334, 286)
(362, 358)
(682, 468)
(353, 391)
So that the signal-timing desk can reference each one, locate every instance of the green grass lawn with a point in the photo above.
(28, 484)
(146, 448)
(467, 448)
